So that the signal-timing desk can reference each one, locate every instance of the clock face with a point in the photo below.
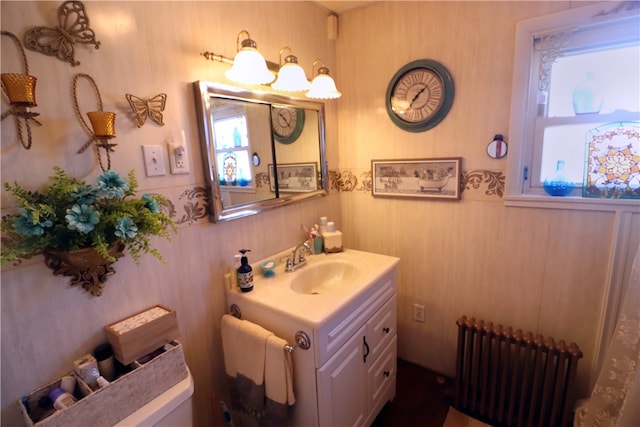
(420, 95)
(287, 123)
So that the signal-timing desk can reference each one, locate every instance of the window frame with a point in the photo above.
(522, 128)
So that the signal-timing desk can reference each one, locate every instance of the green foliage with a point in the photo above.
(70, 214)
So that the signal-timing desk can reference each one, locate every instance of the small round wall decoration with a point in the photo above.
(420, 95)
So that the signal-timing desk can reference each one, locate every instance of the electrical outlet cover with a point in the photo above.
(153, 160)
(178, 158)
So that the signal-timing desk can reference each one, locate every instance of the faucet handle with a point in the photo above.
(289, 262)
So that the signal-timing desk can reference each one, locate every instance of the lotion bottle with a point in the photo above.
(245, 273)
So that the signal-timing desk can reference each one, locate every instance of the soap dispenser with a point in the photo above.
(245, 273)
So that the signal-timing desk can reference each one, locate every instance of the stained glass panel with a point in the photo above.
(613, 161)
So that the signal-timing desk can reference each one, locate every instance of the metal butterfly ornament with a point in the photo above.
(73, 27)
(151, 108)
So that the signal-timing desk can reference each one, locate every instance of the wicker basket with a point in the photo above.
(106, 406)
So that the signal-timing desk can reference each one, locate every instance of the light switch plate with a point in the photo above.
(153, 160)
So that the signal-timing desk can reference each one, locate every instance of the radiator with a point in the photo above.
(507, 378)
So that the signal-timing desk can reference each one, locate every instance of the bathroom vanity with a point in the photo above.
(345, 304)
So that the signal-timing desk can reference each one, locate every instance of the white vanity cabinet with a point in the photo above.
(348, 373)
(361, 376)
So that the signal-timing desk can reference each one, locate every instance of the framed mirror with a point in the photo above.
(259, 150)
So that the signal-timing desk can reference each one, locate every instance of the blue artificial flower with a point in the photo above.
(151, 203)
(126, 229)
(85, 195)
(112, 185)
(25, 224)
(82, 218)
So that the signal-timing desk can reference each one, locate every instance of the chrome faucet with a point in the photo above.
(298, 258)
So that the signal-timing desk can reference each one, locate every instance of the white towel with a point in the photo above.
(278, 375)
(260, 371)
(244, 348)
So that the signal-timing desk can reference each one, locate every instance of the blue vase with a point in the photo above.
(557, 184)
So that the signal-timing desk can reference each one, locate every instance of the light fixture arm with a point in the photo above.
(322, 70)
(248, 42)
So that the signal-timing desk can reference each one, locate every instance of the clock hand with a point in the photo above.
(284, 119)
(417, 95)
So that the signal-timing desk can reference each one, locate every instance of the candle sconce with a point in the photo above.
(21, 91)
(103, 124)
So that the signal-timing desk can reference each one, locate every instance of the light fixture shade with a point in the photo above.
(250, 67)
(291, 78)
(323, 87)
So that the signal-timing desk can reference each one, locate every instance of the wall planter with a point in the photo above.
(83, 229)
(86, 266)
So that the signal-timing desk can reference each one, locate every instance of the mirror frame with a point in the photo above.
(204, 91)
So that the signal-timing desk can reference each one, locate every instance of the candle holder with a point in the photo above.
(103, 124)
(21, 91)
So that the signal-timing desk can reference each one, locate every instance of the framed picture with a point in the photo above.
(295, 177)
(421, 178)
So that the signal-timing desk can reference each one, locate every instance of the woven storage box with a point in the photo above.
(106, 406)
(140, 334)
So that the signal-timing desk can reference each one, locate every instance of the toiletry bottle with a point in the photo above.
(104, 355)
(234, 272)
(323, 224)
(61, 399)
(245, 273)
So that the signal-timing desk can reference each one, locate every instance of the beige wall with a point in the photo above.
(147, 48)
(546, 271)
(543, 270)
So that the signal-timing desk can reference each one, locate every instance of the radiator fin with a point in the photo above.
(510, 378)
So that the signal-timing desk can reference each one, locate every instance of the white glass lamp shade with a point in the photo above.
(250, 67)
(323, 87)
(291, 78)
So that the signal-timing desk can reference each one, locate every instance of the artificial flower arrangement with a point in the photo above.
(70, 214)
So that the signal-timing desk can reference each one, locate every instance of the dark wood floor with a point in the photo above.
(420, 399)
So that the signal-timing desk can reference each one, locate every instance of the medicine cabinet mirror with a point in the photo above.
(259, 150)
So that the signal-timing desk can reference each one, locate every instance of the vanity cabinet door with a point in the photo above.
(342, 393)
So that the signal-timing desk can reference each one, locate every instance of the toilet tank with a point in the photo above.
(172, 408)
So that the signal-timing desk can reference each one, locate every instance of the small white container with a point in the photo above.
(332, 241)
(61, 399)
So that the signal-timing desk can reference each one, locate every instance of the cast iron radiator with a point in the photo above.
(507, 378)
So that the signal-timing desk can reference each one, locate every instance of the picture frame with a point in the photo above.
(294, 177)
(436, 178)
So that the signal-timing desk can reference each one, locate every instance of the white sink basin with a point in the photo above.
(314, 291)
(324, 277)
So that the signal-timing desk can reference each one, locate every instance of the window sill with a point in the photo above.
(572, 203)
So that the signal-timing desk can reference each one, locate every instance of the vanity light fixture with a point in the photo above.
(322, 86)
(249, 66)
(291, 77)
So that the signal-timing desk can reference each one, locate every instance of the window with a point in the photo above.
(232, 151)
(576, 104)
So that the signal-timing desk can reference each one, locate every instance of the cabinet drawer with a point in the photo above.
(381, 329)
(381, 378)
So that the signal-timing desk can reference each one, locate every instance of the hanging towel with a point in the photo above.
(278, 382)
(259, 370)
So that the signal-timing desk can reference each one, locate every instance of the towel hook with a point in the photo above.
(302, 341)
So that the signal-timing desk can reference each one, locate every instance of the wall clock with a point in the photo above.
(287, 123)
(420, 95)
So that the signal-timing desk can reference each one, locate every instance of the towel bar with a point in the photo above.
(302, 339)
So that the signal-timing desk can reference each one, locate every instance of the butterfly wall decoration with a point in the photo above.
(73, 27)
(151, 108)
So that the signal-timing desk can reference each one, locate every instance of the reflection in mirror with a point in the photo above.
(259, 150)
